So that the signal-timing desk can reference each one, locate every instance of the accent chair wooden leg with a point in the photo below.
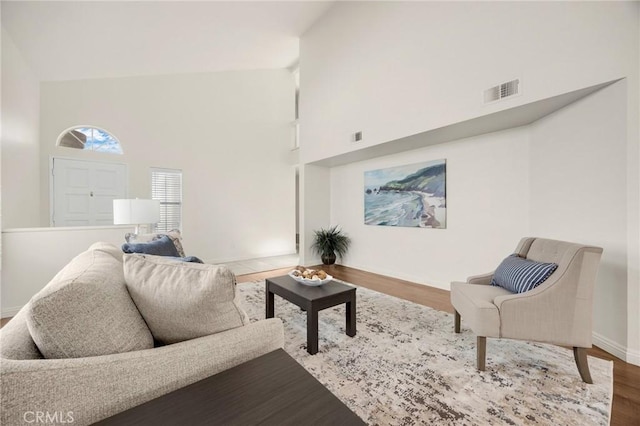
(456, 325)
(482, 352)
(580, 355)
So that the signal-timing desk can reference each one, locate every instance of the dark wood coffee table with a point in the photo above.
(270, 390)
(312, 300)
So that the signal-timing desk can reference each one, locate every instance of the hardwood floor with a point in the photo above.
(626, 377)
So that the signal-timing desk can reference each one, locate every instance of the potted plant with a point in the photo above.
(330, 242)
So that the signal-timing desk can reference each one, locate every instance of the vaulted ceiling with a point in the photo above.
(98, 39)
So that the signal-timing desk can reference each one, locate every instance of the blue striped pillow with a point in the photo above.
(518, 275)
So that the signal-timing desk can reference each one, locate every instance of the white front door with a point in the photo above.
(83, 191)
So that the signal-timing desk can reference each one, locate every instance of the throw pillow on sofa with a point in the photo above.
(519, 275)
(161, 247)
(86, 310)
(174, 235)
(181, 301)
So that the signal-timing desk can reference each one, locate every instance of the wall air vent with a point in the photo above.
(501, 91)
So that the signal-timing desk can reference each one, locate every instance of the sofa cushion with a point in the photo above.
(474, 302)
(182, 301)
(86, 310)
(519, 275)
(17, 342)
(160, 247)
(174, 234)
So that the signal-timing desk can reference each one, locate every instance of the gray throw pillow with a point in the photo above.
(160, 247)
(174, 234)
(86, 311)
(181, 301)
(192, 259)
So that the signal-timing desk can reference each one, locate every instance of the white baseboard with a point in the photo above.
(10, 312)
(223, 260)
(610, 346)
(633, 357)
(406, 277)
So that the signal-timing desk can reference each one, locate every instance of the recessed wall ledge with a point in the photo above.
(506, 119)
(66, 228)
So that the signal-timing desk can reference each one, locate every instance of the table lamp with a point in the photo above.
(136, 212)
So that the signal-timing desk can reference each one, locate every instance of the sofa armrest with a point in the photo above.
(94, 388)
(484, 279)
(547, 313)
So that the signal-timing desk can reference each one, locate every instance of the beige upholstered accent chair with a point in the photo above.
(558, 311)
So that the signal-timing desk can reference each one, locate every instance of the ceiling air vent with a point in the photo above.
(501, 91)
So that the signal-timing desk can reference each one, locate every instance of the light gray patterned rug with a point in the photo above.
(406, 366)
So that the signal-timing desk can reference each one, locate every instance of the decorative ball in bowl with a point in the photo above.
(310, 277)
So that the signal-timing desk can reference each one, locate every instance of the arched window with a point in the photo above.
(89, 138)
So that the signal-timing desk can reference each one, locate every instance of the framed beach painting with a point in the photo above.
(413, 195)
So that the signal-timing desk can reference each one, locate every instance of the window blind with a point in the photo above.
(166, 187)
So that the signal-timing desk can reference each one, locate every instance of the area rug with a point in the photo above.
(406, 366)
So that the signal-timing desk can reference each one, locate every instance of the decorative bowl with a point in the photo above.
(311, 283)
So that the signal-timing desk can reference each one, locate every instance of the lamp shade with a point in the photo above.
(135, 211)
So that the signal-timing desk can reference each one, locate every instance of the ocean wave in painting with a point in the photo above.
(411, 196)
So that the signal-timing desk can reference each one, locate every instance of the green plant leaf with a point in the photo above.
(331, 240)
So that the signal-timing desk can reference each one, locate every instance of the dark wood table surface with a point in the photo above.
(270, 390)
(313, 299)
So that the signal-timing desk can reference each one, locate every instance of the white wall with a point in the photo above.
(578, 193)
(315, 190)
(633, 191)
(392, 69)
(487, 211)
(229, 133)
(20, 143)
(31, 257)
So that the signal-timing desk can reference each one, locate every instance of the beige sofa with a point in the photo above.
(90, 388)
